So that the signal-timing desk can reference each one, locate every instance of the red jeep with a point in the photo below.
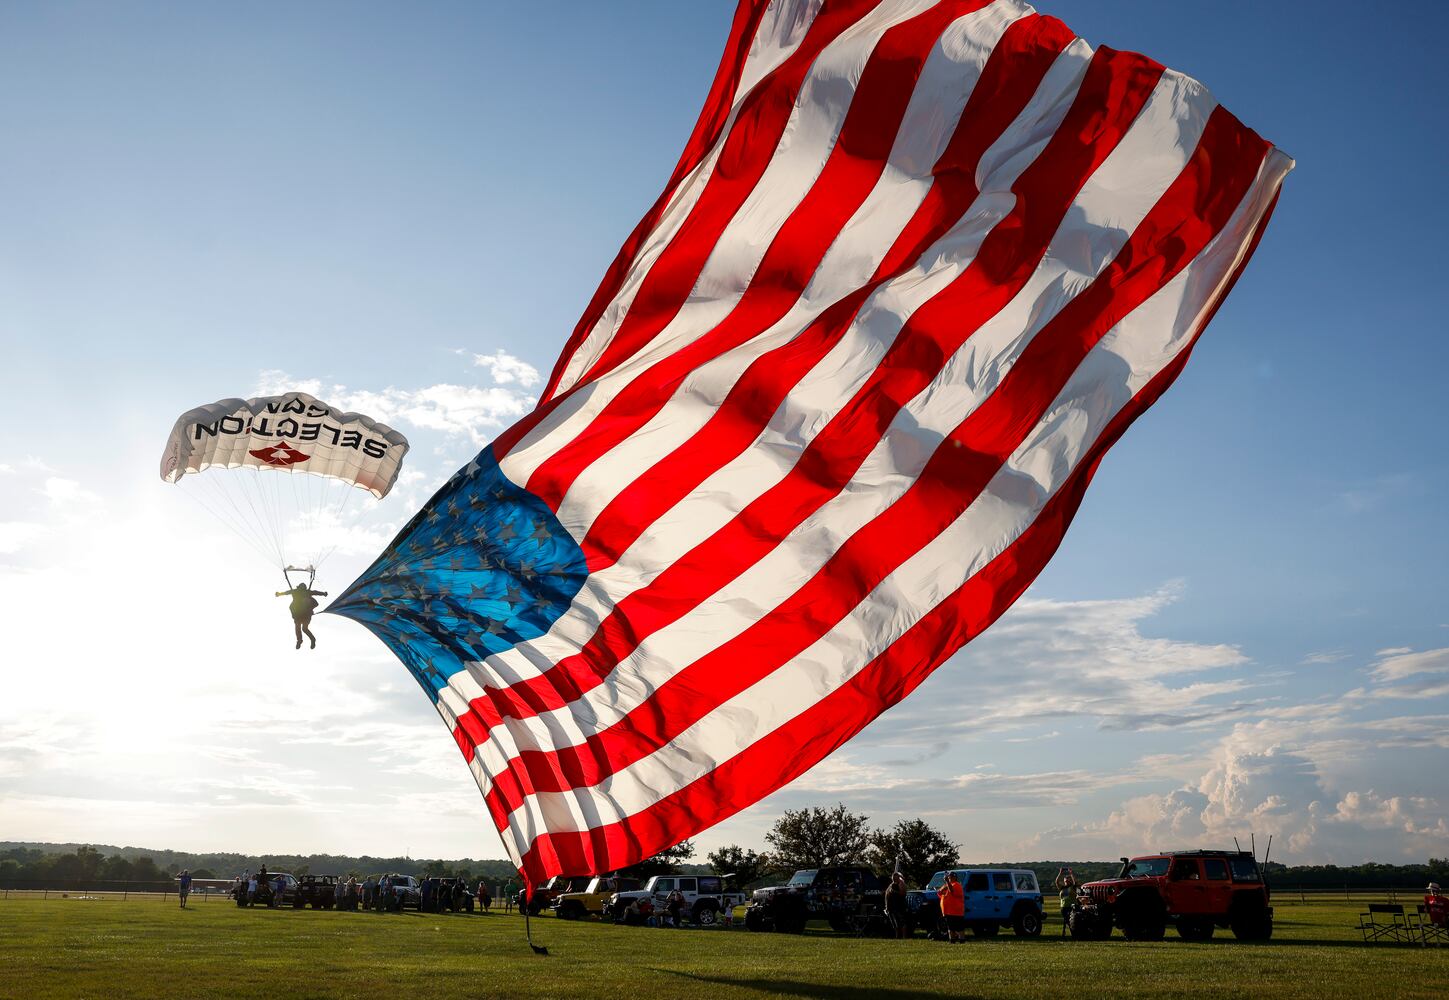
(1196, 891)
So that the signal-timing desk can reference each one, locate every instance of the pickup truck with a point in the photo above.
(705, 896)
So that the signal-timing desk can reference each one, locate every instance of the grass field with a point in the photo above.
(146, 948)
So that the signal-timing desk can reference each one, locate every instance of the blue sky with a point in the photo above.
(1246, 629)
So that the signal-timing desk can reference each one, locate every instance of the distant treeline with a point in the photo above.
(63, 863)
(68, 863)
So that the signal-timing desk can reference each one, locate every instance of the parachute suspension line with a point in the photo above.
(276, 507)
(195, 497)
(254, 525)
(269, 524)
(335, 522)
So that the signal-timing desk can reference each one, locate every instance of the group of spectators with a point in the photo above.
(255, 888)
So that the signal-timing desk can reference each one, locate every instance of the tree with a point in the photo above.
(923, 850)
(748, 866)
(816, 837)
(665, 862)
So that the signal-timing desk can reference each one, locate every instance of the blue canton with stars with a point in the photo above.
(483, 566)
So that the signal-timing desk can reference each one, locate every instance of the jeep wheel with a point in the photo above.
(1253, 926)
(1081, 926)
(1027, 922)
(706, 913)
(570, 909)
(1195, 930)
(754, 919)
(1145, 926)
(299, 903)
(985, 930)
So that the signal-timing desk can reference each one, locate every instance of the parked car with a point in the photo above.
(593, 899)
(318, 891)
(847, 897)
(406, 892)
(265, 891)
(705, 896)
(544, 895)
(1196, 891)
(995, 897)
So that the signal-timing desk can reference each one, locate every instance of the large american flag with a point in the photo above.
(829, 413)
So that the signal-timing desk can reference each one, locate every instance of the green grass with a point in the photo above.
(147, 948)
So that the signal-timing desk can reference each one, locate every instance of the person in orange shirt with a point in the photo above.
(1437, 905)
(953, 908)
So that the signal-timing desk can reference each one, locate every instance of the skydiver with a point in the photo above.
(304, 601)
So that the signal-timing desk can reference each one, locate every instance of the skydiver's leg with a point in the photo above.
(302, 624)
(297, 628)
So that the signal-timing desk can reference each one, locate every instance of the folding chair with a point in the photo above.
(1430, 932)
(1384, 922)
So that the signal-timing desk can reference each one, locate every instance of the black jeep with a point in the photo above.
(848, 897)
(318, 891)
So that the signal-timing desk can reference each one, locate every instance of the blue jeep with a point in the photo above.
(994, 896)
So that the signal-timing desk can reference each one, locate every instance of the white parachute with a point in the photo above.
(281, 470)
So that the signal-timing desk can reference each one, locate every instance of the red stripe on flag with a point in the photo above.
(1180, 226)
(785, 754)
(851, 171)
(1012, 74)
(748, 149)
(706, 133)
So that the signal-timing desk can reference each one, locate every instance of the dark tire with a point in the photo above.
(1143, 921)
(1253, 926)
(706, 913)
(298, 903)
(1027, 922)
(1080, 925)
(985, 930)
(571, 910)
(754, 919)
(1195, 930)
(841, 925)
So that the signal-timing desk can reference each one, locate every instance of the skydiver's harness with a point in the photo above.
(311, 572)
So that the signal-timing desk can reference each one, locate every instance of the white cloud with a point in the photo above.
(1407, 674)
(1073, 659)
(505, 369)
(16, 535)
(67, 492)
(474, 412)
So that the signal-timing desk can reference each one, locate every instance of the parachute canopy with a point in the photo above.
(245, 443)
(293, 432)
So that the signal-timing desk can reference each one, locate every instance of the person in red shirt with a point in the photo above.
(1437, 904)
(953, 908)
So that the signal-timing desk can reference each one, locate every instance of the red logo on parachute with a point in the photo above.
(281, 455)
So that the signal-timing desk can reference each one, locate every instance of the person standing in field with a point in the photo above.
(1066, 886)
(183, 886)
(953, 908)
(251, 888)
(510, 895)
(895, 904)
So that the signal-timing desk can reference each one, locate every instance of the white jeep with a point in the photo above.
(705, 896)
